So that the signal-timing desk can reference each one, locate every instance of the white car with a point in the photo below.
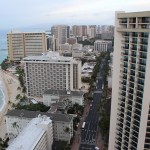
(97, 148)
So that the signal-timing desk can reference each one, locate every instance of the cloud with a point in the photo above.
(21, 13)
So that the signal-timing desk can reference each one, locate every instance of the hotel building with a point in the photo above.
(37, 135)
(51, 71)
(130, 108)
(21, 118)
(23, 44)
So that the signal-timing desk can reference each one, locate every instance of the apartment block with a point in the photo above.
(51, 71)
(91, 31)
(130, 107)
(37, 134)
(23, 44)
(61, 33)
(23, 117)
(102, 46)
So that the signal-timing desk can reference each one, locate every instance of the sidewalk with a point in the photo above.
(77, 138)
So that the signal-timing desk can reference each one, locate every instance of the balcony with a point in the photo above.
(128, 113)
(124, 21)
(135, 133)
(138, 106)
(130, 97)
(136, 111)
(134, 41)
(134, 34)
(142, 62)
(143, 49)
(144, 35)
(134, 139)
(140, 88)
(144, 42)
(139, 100)
(130, 109)
(136, 118)
(142, 69)
(131, 85)
(143, 56)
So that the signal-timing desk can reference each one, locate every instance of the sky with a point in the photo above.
(15, 14)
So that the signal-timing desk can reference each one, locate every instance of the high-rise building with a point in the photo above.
(77, 30)
(38, 134)
(51, 71)
(61, 33)
(23, 44)
(91, 31)
(130, 108)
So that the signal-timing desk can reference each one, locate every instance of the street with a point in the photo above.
(88, 133)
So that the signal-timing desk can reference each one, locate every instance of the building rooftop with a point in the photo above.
(33, 114)
(30, 135)
(64, 92)
(49, 56)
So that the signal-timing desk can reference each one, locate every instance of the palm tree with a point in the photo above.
(16, 126)
(67, 130)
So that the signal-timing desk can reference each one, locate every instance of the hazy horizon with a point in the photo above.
(37, 13)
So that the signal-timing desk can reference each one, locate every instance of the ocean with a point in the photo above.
(3, 55)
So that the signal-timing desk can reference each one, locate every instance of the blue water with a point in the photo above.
(3, 55)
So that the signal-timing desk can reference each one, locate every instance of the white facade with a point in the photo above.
(130, 107)
(66, 46)
(102, 46)
(60, 123)
(77, 53)
(38, 134)
(51, 71)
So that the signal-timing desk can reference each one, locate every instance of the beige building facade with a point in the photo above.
(23, 44)
(130, 107)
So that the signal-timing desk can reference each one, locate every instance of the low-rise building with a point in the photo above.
(77, 53)
(16, 121)
(37, 134)
(53, 96)
(87, 69)
(72, 40)
(66, 46)
(102, 46)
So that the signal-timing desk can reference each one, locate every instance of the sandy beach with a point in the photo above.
(10, 85)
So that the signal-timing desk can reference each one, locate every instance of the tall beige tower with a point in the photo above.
(61, 33)
(25, 44)
(130, 109)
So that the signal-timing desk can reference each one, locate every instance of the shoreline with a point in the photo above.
(3, 99)
(4, 92)
(9, 86)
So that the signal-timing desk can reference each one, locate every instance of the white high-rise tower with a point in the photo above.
(130, 109)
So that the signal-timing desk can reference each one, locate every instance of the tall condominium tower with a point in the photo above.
(22, 44)
(51, 71)
(130, 109)
(61, 33)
